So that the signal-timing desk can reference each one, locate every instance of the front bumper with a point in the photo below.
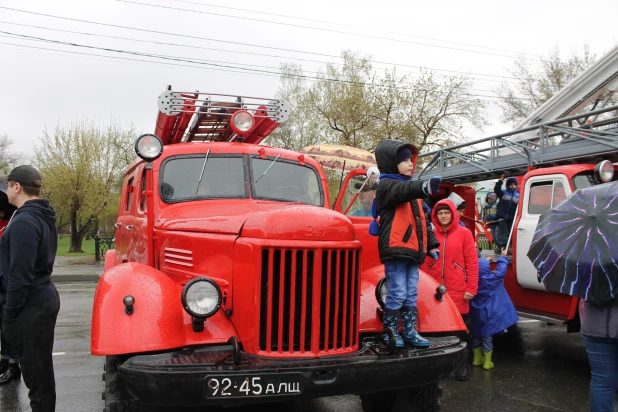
(180, 378)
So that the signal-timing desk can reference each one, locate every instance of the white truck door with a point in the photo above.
(542, 193)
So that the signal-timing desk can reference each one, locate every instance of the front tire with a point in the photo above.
(112, 402)
(424, 398)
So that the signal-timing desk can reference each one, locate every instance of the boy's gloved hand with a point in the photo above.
(435, 253)
(432, 186)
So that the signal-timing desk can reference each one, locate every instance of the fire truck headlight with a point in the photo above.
(201, 298)
(605, 171)
(149, 147)
(381, 291)
(242, 122)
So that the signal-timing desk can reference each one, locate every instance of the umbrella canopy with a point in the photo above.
(575, 246)
(334, 157)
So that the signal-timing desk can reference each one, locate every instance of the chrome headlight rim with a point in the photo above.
(378, 292)
(186, 307)
(139, 149)
(600, 171)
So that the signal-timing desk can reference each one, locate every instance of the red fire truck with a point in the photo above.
(232, 282)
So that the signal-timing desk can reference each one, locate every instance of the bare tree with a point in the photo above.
(340, 98)
(304, 127)
(537, 81)
(8, 159)
(438, 108)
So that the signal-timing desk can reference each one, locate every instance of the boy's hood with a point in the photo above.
(386, 155)
(434, 215)
(511, 180)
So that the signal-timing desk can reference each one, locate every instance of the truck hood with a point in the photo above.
(257, 219)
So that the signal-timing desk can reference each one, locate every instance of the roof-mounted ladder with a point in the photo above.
(201, 117)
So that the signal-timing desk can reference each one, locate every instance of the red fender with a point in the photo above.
(434, 316)
(158, 322)
(110, 260)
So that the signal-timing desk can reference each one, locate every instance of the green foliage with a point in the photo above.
(81, 165)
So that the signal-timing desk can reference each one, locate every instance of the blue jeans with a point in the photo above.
(603, 358)
(502, 232)
(402, 278)
(487, 342)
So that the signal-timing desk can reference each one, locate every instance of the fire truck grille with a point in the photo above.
(309, 300)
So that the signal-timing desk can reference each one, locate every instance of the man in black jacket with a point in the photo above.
(29, 299)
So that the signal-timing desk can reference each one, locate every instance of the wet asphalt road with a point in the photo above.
(537, 369)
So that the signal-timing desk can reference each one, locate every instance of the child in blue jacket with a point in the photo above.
(491, 310)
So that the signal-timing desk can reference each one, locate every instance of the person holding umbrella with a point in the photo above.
(600, 334)
(575, 250)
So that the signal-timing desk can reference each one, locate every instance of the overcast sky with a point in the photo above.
(42, 88)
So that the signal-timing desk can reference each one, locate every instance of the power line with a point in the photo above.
(233, 51)
(209, 39)
(146, 62)
(227, 68)
(349, 25)
(317, 28)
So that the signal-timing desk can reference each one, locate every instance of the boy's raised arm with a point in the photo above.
(498, 187)
(397, 192)
(495, 278)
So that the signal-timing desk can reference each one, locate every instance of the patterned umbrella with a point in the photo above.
(334, 156)
(575, 246)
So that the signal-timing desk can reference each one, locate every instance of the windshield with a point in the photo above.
(364, 200)
(222, 177)
(277, 179)
(588, 179)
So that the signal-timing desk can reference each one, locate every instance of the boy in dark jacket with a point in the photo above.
(507, 207)
(405, 237)
(491, 310)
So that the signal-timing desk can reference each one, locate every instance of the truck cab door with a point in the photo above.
(125, 221)
(541, 193)
(139, 234)
(357, 207)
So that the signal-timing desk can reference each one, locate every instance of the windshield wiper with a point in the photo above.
(202, 174)
(271, 165)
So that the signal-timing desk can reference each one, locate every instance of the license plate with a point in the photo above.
(245, 386)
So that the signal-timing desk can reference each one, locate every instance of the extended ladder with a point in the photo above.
(553, 143)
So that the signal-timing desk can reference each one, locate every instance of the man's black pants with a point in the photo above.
(32, 334)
